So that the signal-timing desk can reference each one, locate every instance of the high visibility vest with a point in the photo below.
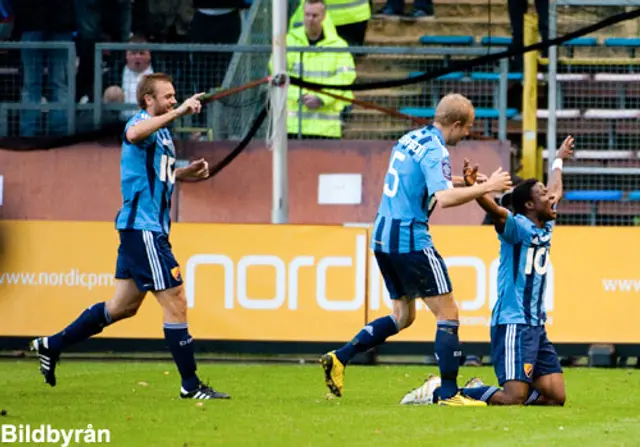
(323, 68)
(340, 12)
(345, 12)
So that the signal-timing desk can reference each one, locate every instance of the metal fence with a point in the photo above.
(593, 95)
(197, 68)
(37, 88)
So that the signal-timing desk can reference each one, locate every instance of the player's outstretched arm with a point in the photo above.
(487, 203)
(144, 128)
(498, 182)
(554, 186)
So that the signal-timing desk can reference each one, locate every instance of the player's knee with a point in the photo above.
(559, 398)
(516, 399)
(404, 319)
(120, 311)
(515, 395)
(175, 305)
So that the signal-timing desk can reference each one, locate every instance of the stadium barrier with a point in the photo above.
(215, 67)
(258, 284)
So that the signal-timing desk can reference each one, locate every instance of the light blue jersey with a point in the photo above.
(524, 258)
(147, 171)
(419, 167)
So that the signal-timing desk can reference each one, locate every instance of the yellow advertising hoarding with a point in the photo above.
(308, 283)
(243, 282)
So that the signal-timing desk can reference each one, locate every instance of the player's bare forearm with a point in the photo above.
(454, 197)
(183, 174)
(144, 128)
(458, 181)
(554, 185)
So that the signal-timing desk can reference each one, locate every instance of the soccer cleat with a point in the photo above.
(474, 382)
(48, 359)
(203, 392)
(422, 395)
(460, 401)
(333, 373)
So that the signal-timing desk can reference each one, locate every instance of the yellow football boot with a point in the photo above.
(460, 401)
(333, 373)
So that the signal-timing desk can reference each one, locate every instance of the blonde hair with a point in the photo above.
(147, 86)
(453, 107)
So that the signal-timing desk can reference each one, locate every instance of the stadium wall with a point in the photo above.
(81, 183)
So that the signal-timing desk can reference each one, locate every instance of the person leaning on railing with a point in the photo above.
(44, 21)
(312, 114)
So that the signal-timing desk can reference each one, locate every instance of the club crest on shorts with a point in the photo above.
(175, 272)
(528, 369)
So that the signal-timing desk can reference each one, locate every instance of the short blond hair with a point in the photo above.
(147, 86)
(453, 107)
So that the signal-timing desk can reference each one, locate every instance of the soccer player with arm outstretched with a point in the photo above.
(145, 260)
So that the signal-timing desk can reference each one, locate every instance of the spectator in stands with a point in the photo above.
(50, 21)
(422, 9)
(93, 15)
(517, 10)
(168, 20)
(138, 65)
(311, 114)
(348, 16)
(214, 22)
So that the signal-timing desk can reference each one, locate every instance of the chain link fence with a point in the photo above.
(593, 90)
(37, 88)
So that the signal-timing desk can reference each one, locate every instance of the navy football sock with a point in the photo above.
(181, 347)
(90, 322)
(369, 336)
(448, 354)
(482, 393)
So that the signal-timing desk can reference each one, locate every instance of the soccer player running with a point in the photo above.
(525, 361)
(418, 180)
(145, 260)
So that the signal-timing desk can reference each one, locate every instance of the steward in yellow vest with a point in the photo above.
(350, 18)
(310, 113)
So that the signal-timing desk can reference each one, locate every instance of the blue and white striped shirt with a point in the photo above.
(419, 167)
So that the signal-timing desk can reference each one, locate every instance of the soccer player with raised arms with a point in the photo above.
(417, 181)
(525, 361)
(145, 259)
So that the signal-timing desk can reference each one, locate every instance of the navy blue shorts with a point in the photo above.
(418, 274)
(523, 353)
(146, 257)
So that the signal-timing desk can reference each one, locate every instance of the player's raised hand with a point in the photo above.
(191, 106)
(566, 149)
(470, 174)
(499, 181)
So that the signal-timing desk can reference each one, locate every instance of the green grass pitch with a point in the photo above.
(285, 405)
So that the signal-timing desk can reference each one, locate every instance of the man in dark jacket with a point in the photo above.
(44, 21)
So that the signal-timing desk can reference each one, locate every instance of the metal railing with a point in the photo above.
(38, 59)
(195, 66)
(593, 94)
